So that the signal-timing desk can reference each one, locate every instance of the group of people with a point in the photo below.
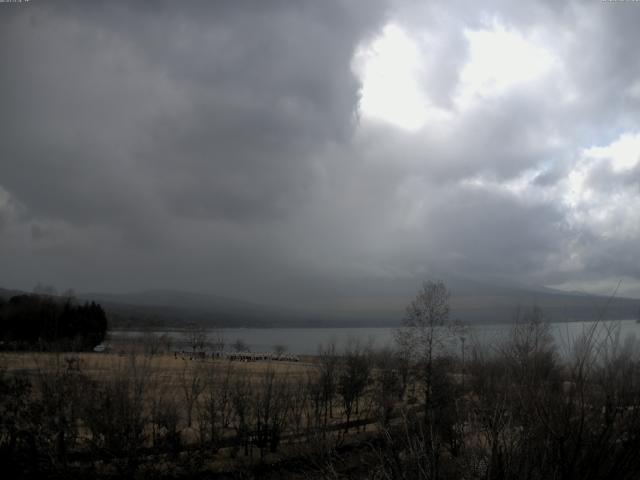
(236, 356)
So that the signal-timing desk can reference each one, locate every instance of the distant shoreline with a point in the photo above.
(181, 328)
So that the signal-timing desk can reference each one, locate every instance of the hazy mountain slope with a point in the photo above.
(172, 307)
(557, 307)
(471, 302)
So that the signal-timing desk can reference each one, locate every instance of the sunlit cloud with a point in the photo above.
(390, 68)
(500, 59)
(623, 153)
(611, 212)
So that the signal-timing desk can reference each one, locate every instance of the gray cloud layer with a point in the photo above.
(218, 146)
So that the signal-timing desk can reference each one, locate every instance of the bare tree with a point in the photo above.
(424, 329)
(354, 378)
(60, 385)
(192, 385)
(196, 337)
(242, 412)
(218, 341)
(315, 395)
(16, 423)
(150, 343)
(328, 379)
(240, 346)
(116, 416)
(164, 417)
(299, 403)
(270, 409)
(422, 337)
(216, 408)
(389, 387)
(530, 337)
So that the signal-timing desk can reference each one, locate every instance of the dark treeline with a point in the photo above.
(45, 322)
(526, 408)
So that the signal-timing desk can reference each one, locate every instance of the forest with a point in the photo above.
(47, 322)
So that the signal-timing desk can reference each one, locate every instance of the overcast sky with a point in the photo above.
(292, 152)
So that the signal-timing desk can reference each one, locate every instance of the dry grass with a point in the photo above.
(166, 368)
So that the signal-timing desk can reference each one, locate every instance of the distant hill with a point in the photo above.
(471, 302)
(178, 308)
(557, 307)
(499, 303)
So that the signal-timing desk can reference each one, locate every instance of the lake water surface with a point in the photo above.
(306, 341)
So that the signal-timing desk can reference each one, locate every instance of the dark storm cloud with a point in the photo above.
(218, 146)
(495, 232)
(131, 116)
(212, 107)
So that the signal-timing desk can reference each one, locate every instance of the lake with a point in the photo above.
(305, 341)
